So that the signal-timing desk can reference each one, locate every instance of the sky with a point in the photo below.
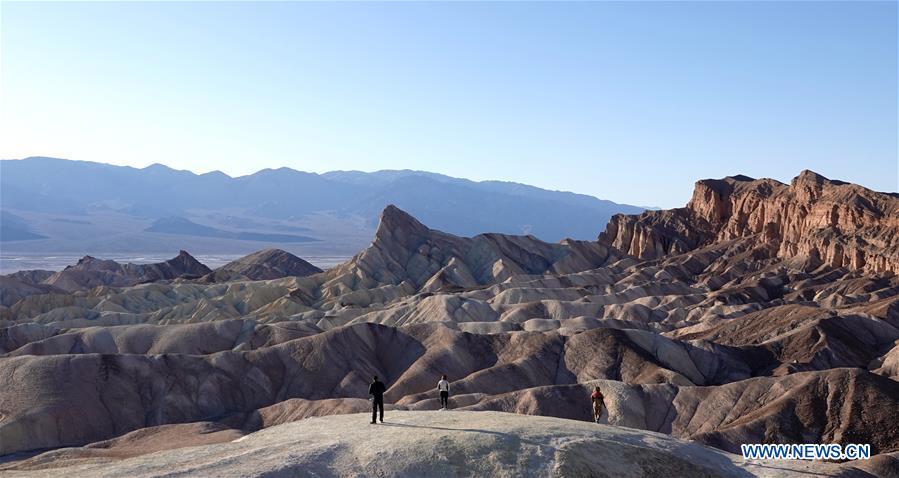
(629, 101)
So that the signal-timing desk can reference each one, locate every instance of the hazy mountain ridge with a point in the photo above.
(46, 189)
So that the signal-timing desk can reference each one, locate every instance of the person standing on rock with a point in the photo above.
(376, 390)
(443, 388)
(596, 397)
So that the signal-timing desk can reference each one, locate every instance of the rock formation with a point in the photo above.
(813, 219)
(407, 257)
(412, 444)
(717, 323)
(90, 272)
(262, 265)
(16, 287)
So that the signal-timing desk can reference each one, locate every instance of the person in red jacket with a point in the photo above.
(596, 397)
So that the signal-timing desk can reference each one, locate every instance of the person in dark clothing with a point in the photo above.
(376, 390)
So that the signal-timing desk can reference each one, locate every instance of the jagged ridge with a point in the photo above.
(814, 219)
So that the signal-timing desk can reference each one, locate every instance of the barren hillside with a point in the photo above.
(761, 312)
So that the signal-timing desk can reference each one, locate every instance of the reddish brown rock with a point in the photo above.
(814, 219)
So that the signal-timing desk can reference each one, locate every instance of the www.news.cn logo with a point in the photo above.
(807, 451)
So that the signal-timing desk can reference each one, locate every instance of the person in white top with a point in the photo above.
(443, 388)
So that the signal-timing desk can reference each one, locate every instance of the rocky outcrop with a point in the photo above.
(835, 406)
(91, 272)
(416, 444)
(266, 264)
(12, 289)
(407, 257)
(32, 277)
(888, 364)
(815, 220)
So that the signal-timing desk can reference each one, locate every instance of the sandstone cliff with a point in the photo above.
(813, 219)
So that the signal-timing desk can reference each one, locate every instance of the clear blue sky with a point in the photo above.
(626, 101)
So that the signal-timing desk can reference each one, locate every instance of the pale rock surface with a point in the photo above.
(415, 444)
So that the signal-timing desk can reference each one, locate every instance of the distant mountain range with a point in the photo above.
(60, 205)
